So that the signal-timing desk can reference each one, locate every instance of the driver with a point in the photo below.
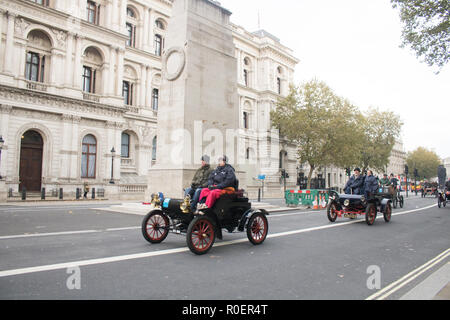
(222, 180)
(355, 184)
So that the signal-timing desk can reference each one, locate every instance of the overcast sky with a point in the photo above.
(353, 46)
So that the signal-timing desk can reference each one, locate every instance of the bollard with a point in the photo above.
(93, 193)
(43, 194)
(78, 193)
(259, 194)
(24, 194)
(61, 195)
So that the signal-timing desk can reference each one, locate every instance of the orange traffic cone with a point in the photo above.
(315, 203)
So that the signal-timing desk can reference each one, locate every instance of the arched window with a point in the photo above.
(247, 71)
(159, 24)
(88, 156)
(131, 27)
(38, 54)
(92, 66)
(125, 150)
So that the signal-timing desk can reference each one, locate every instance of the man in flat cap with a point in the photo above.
(355, 184)
(199, 182)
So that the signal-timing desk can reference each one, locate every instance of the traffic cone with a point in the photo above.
(324, 202)
(315, 203)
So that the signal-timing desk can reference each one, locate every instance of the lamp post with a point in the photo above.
(2, 142)
(113, 153)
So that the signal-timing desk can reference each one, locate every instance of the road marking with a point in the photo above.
(400, 283)
(82, 263)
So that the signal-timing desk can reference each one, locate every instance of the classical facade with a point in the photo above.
(79, 92)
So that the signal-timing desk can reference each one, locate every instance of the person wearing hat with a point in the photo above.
(222, 180)
(199, 182)
(385, 180)
(370, 184)
(355, 185)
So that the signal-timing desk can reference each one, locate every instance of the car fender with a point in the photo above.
(384, 203)
(247, 215)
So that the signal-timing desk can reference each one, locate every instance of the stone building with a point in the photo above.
(79, 92)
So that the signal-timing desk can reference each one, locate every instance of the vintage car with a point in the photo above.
(231, 212)
(430, 189)
(350, 206)
(443, 197)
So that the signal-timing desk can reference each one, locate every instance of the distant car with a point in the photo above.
(230, 212)
(350, 206)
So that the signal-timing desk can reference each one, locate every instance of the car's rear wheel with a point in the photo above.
(257, 228)
(395, 202)
(401, 201)
(200, 235)
(332, 212)
(155, 227)
(371, 214)
(387, 212)
(439, 202)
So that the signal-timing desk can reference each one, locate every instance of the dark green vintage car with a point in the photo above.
(350, 206)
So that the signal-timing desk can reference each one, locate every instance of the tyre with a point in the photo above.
(395, 202)
(155, 227)
(257, 228)
(371, 214)
(387, 213)
(439, 202)
(401, 201)
(201, 235)
(331, 212)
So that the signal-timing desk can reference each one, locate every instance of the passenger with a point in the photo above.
(355, 184)
(221, 181)
(447, 185)
(199, 182)
(393, 185)
(370, 184)
(384, 182)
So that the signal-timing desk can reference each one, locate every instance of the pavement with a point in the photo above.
(434, 286)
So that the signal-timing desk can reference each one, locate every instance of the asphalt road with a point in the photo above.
(78, 252)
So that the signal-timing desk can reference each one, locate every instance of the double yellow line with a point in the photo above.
(400, 283)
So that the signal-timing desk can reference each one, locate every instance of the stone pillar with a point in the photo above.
(78, 66)
(69, 61)
(119, 75)
(9, 52)
(198, 96)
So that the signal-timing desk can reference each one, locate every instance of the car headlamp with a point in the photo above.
(363, 199)
(346, 202)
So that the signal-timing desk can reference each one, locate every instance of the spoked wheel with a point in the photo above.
(332, 212)
(155, 227)
(257, 228)
(401, 201)
(371, 214)
(394, 202)
(387, 213)
(200, 235)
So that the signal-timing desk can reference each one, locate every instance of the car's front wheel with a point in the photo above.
(332, 212)
(155, 227)
(371, 213)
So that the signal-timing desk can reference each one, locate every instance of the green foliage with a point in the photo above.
(425, 161)
(329, 131)
(426, 29)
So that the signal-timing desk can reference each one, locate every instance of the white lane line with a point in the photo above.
(81, 263)
(400, 283)
(30, 235)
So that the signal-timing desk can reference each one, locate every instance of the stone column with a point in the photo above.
(69, 61)
(1, 28)
(119, 75)
(144, 44)
(112, 73)
(122, 15)
(78, 65)
(148, 89)
(143, 86)
(9, 52)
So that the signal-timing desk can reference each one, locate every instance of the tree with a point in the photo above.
(426, 29)
(320, 124)
(380, 130)
(425, 161)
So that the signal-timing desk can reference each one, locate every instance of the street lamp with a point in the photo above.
(2, 142)
(113, 153)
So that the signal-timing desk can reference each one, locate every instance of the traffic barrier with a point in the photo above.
(306, 197)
